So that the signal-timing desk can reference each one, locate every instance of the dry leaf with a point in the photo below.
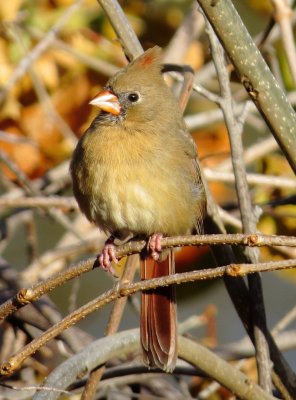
(9, 9)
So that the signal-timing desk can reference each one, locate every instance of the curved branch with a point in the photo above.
(123, 343)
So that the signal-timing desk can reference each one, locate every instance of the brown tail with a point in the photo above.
(158, 316)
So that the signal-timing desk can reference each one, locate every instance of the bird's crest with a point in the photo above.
(149, 58)
(139, 73)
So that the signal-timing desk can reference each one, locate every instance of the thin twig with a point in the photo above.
(244, 348)
(57, 215)
(214, 175)
(65, 203)
(230, 219)
(25, 296)
(191, 27)
(93, 63)
(251, 154)
(282, 14)
(10, 137)
(42, 95)
(286, 320)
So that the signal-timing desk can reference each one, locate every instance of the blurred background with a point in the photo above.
(55, 55)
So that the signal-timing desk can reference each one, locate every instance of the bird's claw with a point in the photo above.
(154, 245)
(108, 257)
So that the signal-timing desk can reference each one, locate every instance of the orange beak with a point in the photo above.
(107, 101)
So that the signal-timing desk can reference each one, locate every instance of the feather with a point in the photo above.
(158, 316)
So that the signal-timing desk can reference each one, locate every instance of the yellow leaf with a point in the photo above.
(119, 267)
(267, 225)
(9, 9)
(263, 6)
(46, 68)
(81, 43)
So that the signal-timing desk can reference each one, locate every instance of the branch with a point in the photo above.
(112, 327)
(128, 39)
(57, 215)
(126, 289)
(254, 152)
(123, 343)
(133, 247)
(254, 73)
(214, 175)
(96, 64)
(65, 203)
(235, 128)
(283, 14)
(25, 296)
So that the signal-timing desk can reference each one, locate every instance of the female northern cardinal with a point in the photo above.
(135, 174)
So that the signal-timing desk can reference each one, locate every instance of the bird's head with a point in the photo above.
(137, 93)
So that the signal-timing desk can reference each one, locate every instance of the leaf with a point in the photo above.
(9, 9)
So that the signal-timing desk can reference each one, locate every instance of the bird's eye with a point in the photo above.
(133, 97)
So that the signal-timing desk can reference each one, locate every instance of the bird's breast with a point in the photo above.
(120, 201)
(133, 187)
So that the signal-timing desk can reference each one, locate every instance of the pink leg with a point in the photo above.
(108, 255)
(155, 245)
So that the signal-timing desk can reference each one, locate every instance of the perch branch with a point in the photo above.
(126, 289)
(25, 296)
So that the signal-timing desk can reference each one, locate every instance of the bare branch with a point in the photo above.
(254, 74)
(214, 175)
(26, 296)
(65, 203)
(126, 289)
(128, 39)
(126, 342)
(235, 128)
(29, 188)
(112, 327)
(283, 14)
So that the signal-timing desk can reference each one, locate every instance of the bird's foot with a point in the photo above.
(108, 256)
(154, 245)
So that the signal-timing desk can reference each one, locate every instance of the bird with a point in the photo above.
(135, 174)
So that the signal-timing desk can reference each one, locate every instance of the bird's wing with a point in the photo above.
(191, 151)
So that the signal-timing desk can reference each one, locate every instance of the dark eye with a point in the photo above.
(133, 97)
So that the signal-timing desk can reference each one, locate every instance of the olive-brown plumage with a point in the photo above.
(135, 173)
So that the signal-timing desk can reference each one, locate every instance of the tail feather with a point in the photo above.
(158, 316)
